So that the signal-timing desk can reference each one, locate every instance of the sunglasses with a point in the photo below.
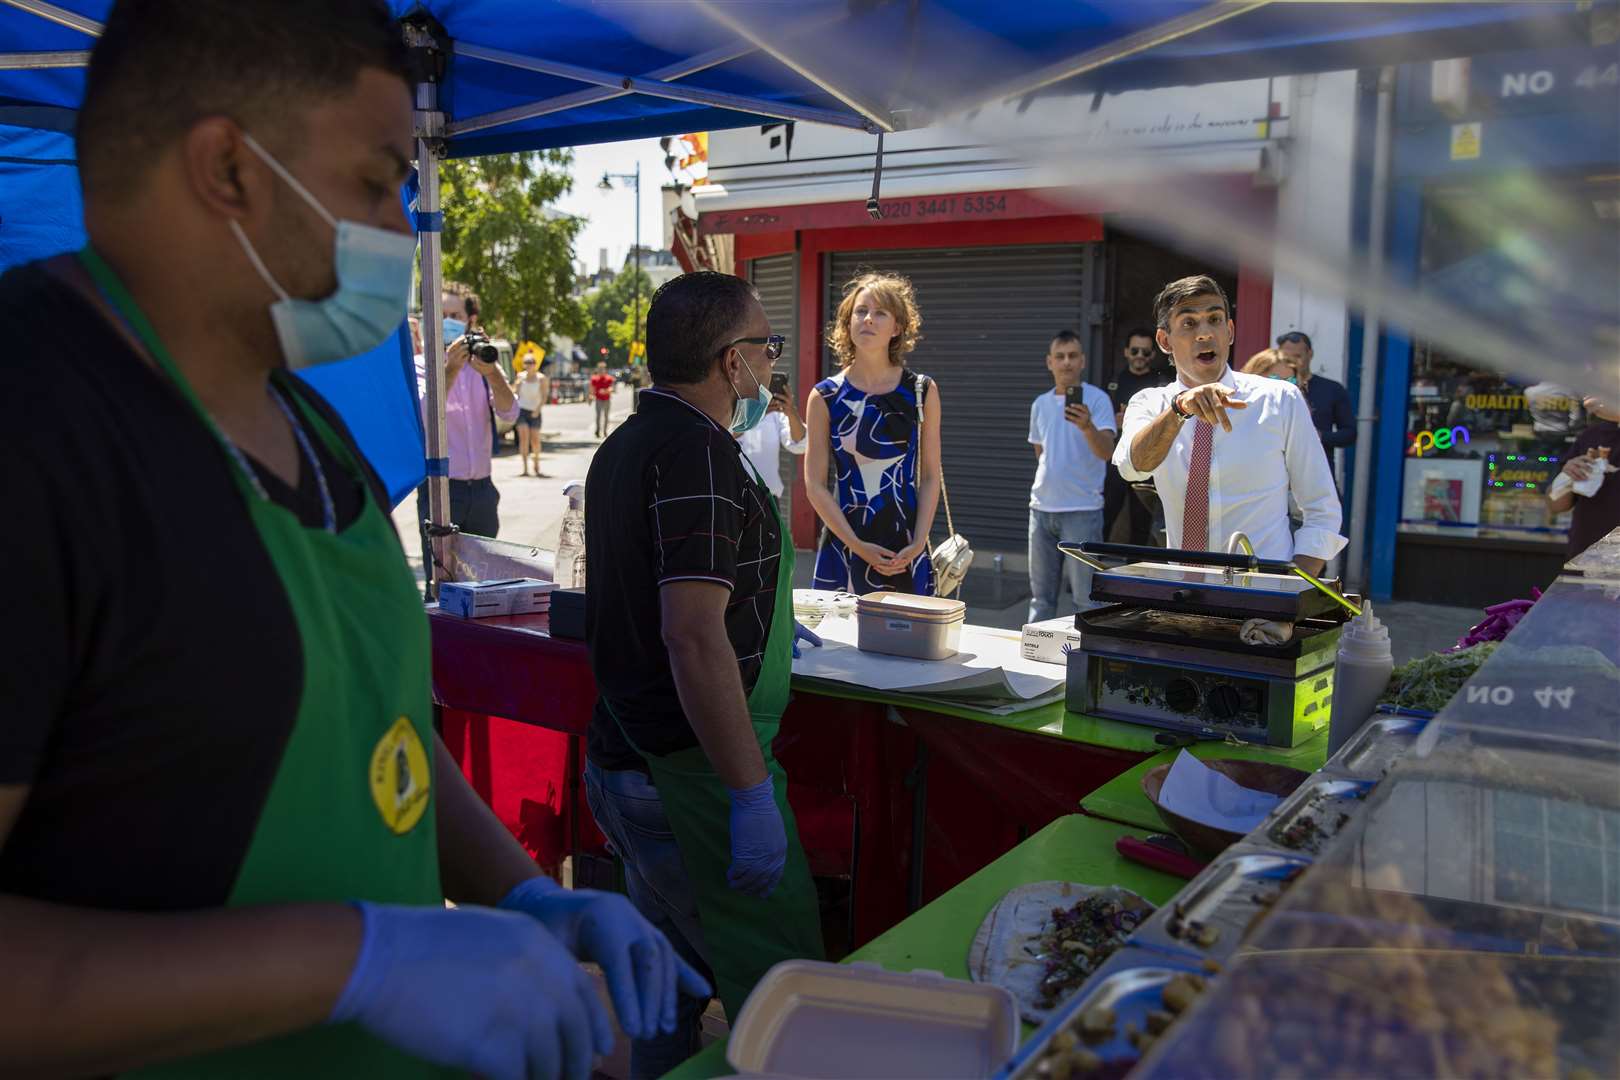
(1138, 352)
(1294, 339)
(773, 345)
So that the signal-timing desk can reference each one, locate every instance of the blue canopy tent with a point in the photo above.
(508, 75)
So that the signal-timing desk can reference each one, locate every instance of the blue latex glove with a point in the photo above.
(491, 992)
(758, 840)
(802, 633)
(644, 973)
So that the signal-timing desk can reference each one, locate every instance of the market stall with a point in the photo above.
(1439, 897)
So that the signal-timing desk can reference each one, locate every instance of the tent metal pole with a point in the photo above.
(878, 118)
(579, 98)
(656, 88)
(39, 61)
(429, 148)
(1355, 565)
(1151, 38)
(59, 15)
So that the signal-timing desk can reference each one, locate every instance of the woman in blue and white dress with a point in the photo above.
(878, 423)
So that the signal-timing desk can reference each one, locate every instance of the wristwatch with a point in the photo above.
(1175, 406)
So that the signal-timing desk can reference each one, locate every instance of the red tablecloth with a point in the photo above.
(516, 703)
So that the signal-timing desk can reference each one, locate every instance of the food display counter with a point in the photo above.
(1439, 897)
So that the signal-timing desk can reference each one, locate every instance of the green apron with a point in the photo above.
(744, 936)
(350, 812)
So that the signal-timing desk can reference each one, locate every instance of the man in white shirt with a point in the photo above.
(781, 429)
(1072, 444)
(1225, 449)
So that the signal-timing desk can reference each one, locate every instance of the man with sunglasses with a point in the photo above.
(1331, 413)
(1139, 373)
(691, 636)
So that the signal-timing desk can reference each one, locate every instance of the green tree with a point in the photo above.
(503, 240)
(623, 329)
(610, 306)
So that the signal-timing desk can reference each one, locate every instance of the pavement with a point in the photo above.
(532, 510)
(532, 507)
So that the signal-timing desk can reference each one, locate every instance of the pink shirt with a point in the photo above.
(467, 433)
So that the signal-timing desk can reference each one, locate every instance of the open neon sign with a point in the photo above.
(1438, 439)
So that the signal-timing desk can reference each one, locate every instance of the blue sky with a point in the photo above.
(611, 215)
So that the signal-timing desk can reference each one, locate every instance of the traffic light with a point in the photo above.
(604, 350)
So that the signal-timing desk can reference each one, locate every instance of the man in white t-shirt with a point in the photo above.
(1072, 445)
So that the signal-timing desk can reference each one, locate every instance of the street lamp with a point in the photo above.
(634, 179)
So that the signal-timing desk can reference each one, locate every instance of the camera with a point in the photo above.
(479, 345)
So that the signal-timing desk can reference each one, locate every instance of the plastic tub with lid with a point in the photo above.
(903, 624)
(811, 1020)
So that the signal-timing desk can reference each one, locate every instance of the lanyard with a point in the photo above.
(328, 509)
(116, 299)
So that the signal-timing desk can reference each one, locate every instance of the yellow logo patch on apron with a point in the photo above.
(400, 777)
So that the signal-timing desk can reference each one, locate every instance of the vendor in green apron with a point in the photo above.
(227, 827)
(690, 625)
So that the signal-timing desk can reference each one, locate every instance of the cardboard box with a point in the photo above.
(482, 599)
(1050, 642)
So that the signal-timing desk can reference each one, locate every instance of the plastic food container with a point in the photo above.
(901, 624)
(808, 1019)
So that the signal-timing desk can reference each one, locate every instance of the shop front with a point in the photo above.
(999, 262)
(1506, 206)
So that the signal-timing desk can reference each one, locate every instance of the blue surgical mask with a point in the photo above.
(374, 280)
(749, 411)
(453, 329)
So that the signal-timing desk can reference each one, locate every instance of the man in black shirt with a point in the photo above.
(1139, 373)
(227, 828)
(689, 622)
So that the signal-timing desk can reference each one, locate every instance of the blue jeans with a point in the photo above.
(1049, 568)
(628, 811)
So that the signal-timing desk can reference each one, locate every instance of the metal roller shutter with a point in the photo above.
(988, 316)
(776, 278)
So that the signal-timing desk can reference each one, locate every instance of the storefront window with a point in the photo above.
(1482, 447)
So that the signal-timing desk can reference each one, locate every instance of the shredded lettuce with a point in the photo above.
(1429, 682)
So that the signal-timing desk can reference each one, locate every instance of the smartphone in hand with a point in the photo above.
(1072, 397)
(779, 383)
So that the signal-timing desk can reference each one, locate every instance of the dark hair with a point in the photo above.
(691, 319)
(1138, 331)
(162, 65)
(1063, 337)
(1179, 292)
(1296, 334)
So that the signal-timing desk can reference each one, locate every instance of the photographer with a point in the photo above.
(476, 393)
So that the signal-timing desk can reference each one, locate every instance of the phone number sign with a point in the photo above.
(922, 209)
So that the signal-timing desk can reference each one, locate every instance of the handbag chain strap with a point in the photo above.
(944, 494)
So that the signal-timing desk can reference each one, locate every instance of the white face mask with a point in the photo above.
(373, 269)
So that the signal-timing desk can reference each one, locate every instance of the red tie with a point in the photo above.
(1195, 510)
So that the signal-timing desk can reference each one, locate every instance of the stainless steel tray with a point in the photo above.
(1315, 813)
(1212, 915)
(1377, 746)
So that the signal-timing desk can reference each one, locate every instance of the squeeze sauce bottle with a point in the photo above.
(1360, 674)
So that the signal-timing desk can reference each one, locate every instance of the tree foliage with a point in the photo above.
(610, 307)
(501, 240)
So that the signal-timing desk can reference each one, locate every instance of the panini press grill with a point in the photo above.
(1165, 650)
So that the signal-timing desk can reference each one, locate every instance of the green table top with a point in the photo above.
(1075, 848)
(1122, 799)
(1052, 719)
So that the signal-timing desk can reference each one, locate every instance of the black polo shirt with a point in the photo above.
(669, 498)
